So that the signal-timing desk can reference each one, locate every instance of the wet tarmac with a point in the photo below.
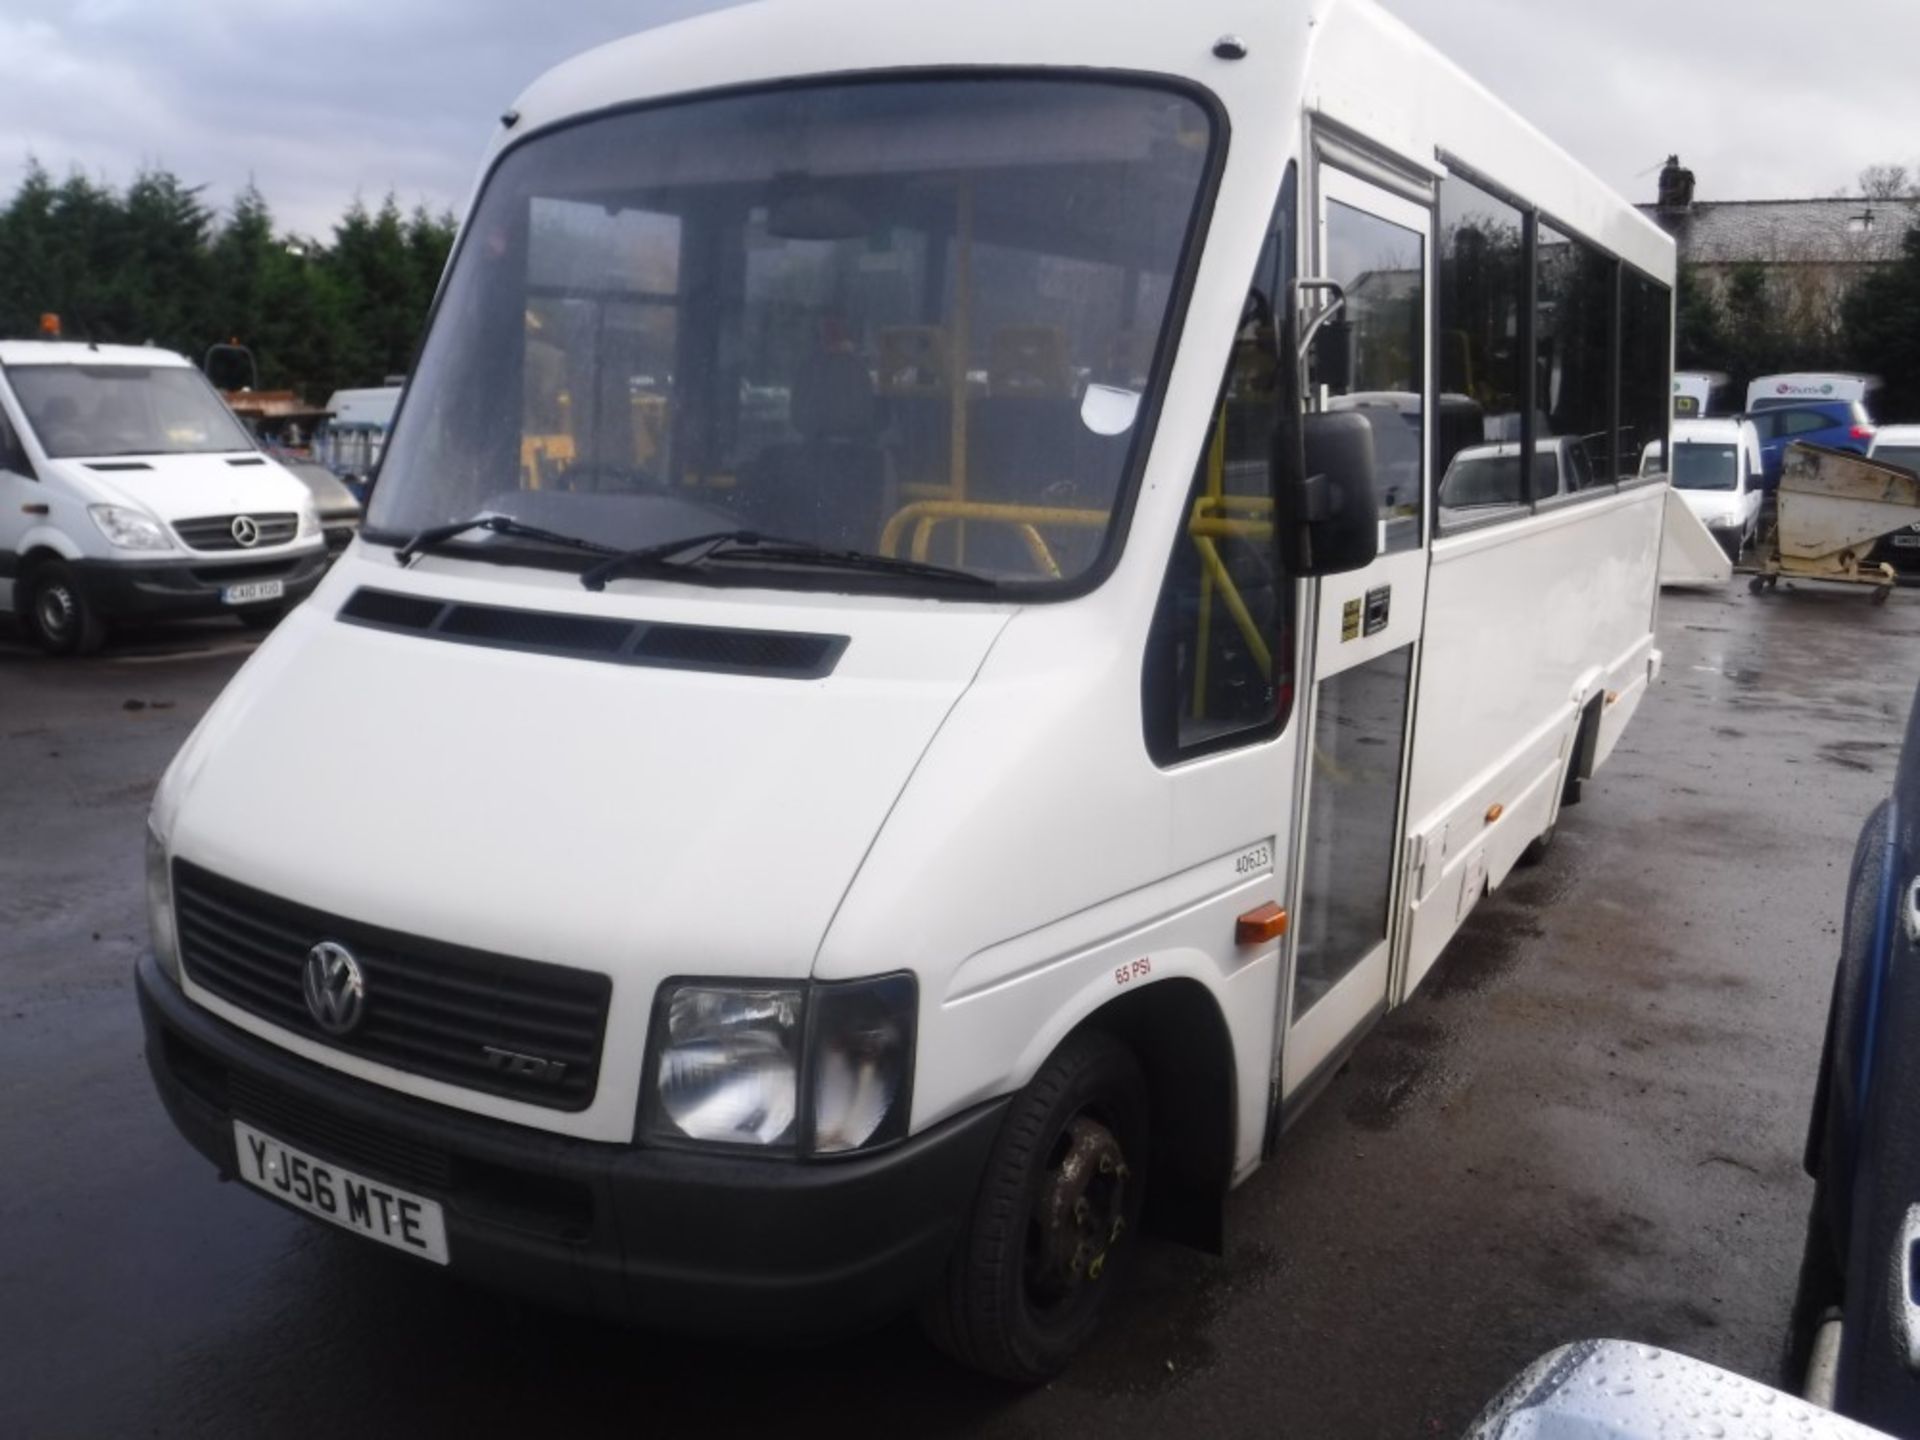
(1586, 1124)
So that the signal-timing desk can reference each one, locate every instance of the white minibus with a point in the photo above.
(129, 492)
(1773, 392)
(897, 714)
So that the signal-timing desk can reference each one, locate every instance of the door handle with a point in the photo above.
(35, 509)
(1912, 912)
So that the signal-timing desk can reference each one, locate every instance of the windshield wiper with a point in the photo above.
(749, 545)
(436, 535)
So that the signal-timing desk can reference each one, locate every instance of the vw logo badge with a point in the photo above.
(336, 990)
(246, 531)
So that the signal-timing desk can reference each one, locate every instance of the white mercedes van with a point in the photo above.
(129, 491)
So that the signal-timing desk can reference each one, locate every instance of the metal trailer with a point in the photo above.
(1833, 506)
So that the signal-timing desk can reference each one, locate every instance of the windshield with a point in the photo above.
(1705, 467)
(908, 318)
(93, 411)
(1907, 457)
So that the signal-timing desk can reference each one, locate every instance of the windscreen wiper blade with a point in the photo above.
(436, 535)
(749, 545)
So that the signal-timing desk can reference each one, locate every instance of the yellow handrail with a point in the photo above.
(924, 515)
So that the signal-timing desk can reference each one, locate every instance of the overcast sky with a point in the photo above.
(320, 100)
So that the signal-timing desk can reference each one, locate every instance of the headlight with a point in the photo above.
(130, 529)
(860, 1058)
(309, 522)
(732, 1063)
(166, 939)
(729, 1065)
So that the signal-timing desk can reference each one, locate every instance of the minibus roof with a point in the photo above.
(1359, 55)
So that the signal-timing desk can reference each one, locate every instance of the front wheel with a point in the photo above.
(1054, 1223)
(61, 617)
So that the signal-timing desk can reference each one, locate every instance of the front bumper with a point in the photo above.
(185, 588)
(704, 1244)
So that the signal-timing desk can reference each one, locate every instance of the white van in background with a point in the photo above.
(1699, 393)
(128, 490)
(1771, 392)
(1716, 470)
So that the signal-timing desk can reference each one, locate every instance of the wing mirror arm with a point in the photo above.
(1336, 302)
(1324, 510)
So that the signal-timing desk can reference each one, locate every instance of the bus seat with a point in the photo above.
(913, 360)
(829, 486)
(914, 378)
(1029, 360)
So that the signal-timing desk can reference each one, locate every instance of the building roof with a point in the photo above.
(1731, 232)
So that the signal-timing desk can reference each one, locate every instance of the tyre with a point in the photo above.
(63, 621)
(261, 617)
(1054, 1226)
(1818, 1293)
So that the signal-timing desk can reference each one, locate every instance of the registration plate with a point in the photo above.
(1907, 542)
(252, 591)
(367, 1207)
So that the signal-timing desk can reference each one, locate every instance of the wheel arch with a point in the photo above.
(1177, 1031)
(37, 549)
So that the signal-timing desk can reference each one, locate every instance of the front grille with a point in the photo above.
(215, 532)
(245, 570)
(432, 1009)
(301, 1123)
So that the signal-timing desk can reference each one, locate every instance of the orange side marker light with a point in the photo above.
(1494, 812)
(1257, 927)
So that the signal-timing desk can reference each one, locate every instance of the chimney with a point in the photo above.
(1676, 185)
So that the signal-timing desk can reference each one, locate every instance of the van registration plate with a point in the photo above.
(367, 1207)
(1907, 542)
(252, 591)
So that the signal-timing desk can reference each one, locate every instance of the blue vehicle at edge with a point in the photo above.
(1863, 1145)
(1836, 424)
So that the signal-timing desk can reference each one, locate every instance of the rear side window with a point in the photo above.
(1803, 422)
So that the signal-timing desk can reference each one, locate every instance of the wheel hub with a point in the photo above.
(1080, 1212)
(55, 610)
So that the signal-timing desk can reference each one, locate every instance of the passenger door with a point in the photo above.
(1365, 631)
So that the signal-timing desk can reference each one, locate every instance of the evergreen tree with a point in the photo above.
(1883, 329)
(152, 263)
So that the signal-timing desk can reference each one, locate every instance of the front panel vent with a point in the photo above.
(776, 654)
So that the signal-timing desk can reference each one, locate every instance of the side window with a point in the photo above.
(1482, 280)
(1383, 268)
(1573, 354)
(1646, 357)
(1219, 662)
(13, 455)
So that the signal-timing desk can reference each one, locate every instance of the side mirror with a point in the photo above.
(1325, 509)
(1330, 363)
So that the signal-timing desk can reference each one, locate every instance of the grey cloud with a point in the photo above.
(1764, 99)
